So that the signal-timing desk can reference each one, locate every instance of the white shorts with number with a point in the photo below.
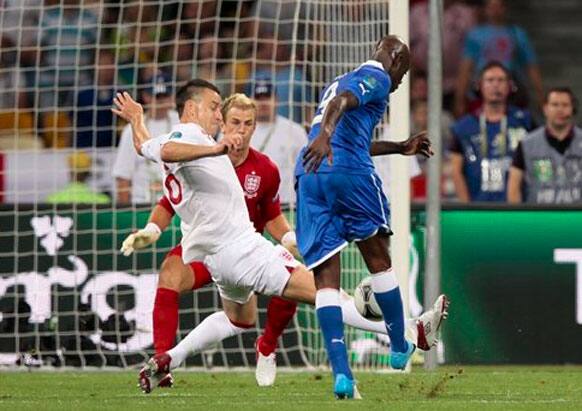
(251, 265)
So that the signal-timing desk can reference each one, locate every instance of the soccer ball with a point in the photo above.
(366, 302)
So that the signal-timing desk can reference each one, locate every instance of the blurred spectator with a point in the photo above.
(418, 123)
(483, 142)
(16, 123)
(67, 36)
(273, 64)
(418, 86)
(547, 165)
(137, 179)
(497, 40)
(207, 65)
(199, 18)
(458, 20)
(78, 191)
(278, 137)
(95, 122)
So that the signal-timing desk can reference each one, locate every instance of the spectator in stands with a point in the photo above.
(95, 124)
(483, 142)
(68, 35)
(278, 137)
(458, 20)
(547, 165)
(199, 18)
(78, 191)
(274, 65)
(208, 64)
(16, 122)
(137, 179)
(497, 40)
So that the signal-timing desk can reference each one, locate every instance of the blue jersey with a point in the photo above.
(487, 160)
(350, 142)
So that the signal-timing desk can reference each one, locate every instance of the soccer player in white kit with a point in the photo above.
(204, 191)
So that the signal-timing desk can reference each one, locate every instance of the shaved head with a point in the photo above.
(394, 55)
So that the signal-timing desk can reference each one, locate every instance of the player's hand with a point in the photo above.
(417, 144)
(229, 142)
(140, 239)
(127, 108)
(319, 149)
(289, 241)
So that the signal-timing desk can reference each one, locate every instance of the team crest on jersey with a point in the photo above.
(252, 184)
(175, 134)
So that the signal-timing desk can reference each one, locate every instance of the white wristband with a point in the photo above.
(152, 228)
(289, 238)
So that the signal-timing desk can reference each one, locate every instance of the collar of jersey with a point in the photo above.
(373, 63)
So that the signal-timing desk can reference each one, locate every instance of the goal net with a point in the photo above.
(67, 296)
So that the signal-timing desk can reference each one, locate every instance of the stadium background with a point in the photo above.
(68, 298)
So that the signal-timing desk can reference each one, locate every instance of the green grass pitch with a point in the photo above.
(449, 388)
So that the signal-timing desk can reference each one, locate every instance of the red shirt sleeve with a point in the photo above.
(165, 203)
(270, 202)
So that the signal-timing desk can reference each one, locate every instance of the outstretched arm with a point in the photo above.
(132, 112)
(320, 147)
(173, 152)
(417, 144)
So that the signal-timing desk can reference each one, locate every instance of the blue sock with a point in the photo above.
(332, 327)
(387, 295)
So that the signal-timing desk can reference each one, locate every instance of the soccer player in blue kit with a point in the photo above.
(341, 200)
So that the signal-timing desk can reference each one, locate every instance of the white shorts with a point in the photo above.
(251, 265)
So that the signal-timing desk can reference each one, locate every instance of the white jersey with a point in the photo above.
(205, 193)
(145, 175)
(281, 141)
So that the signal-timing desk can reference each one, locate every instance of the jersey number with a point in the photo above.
(174, 189)
(327, 97)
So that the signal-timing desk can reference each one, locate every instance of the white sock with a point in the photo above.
(353, 318)
(384, 281)
(212, 329)
(327, 297)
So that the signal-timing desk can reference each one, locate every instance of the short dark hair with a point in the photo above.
(565, 90)
(494, 64)
(191, 91)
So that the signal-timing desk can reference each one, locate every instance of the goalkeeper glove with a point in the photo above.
(289, 241)
(140, 239)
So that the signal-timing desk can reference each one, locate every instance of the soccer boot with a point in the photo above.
(429, 323)
(343, 387)
(398, 360)
(167, 381)
(153, 372)
(266, 370)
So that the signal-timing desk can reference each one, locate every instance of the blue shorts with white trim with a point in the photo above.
(334, 209)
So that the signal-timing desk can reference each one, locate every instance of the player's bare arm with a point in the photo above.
(320, 147)
(417, 144)
(132, 112)
(173, 152)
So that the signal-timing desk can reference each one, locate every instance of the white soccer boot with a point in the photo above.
(266, 370)
(429, 323)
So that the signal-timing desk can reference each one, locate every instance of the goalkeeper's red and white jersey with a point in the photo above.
(205, 193)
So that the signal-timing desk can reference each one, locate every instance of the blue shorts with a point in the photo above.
(334, 209)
